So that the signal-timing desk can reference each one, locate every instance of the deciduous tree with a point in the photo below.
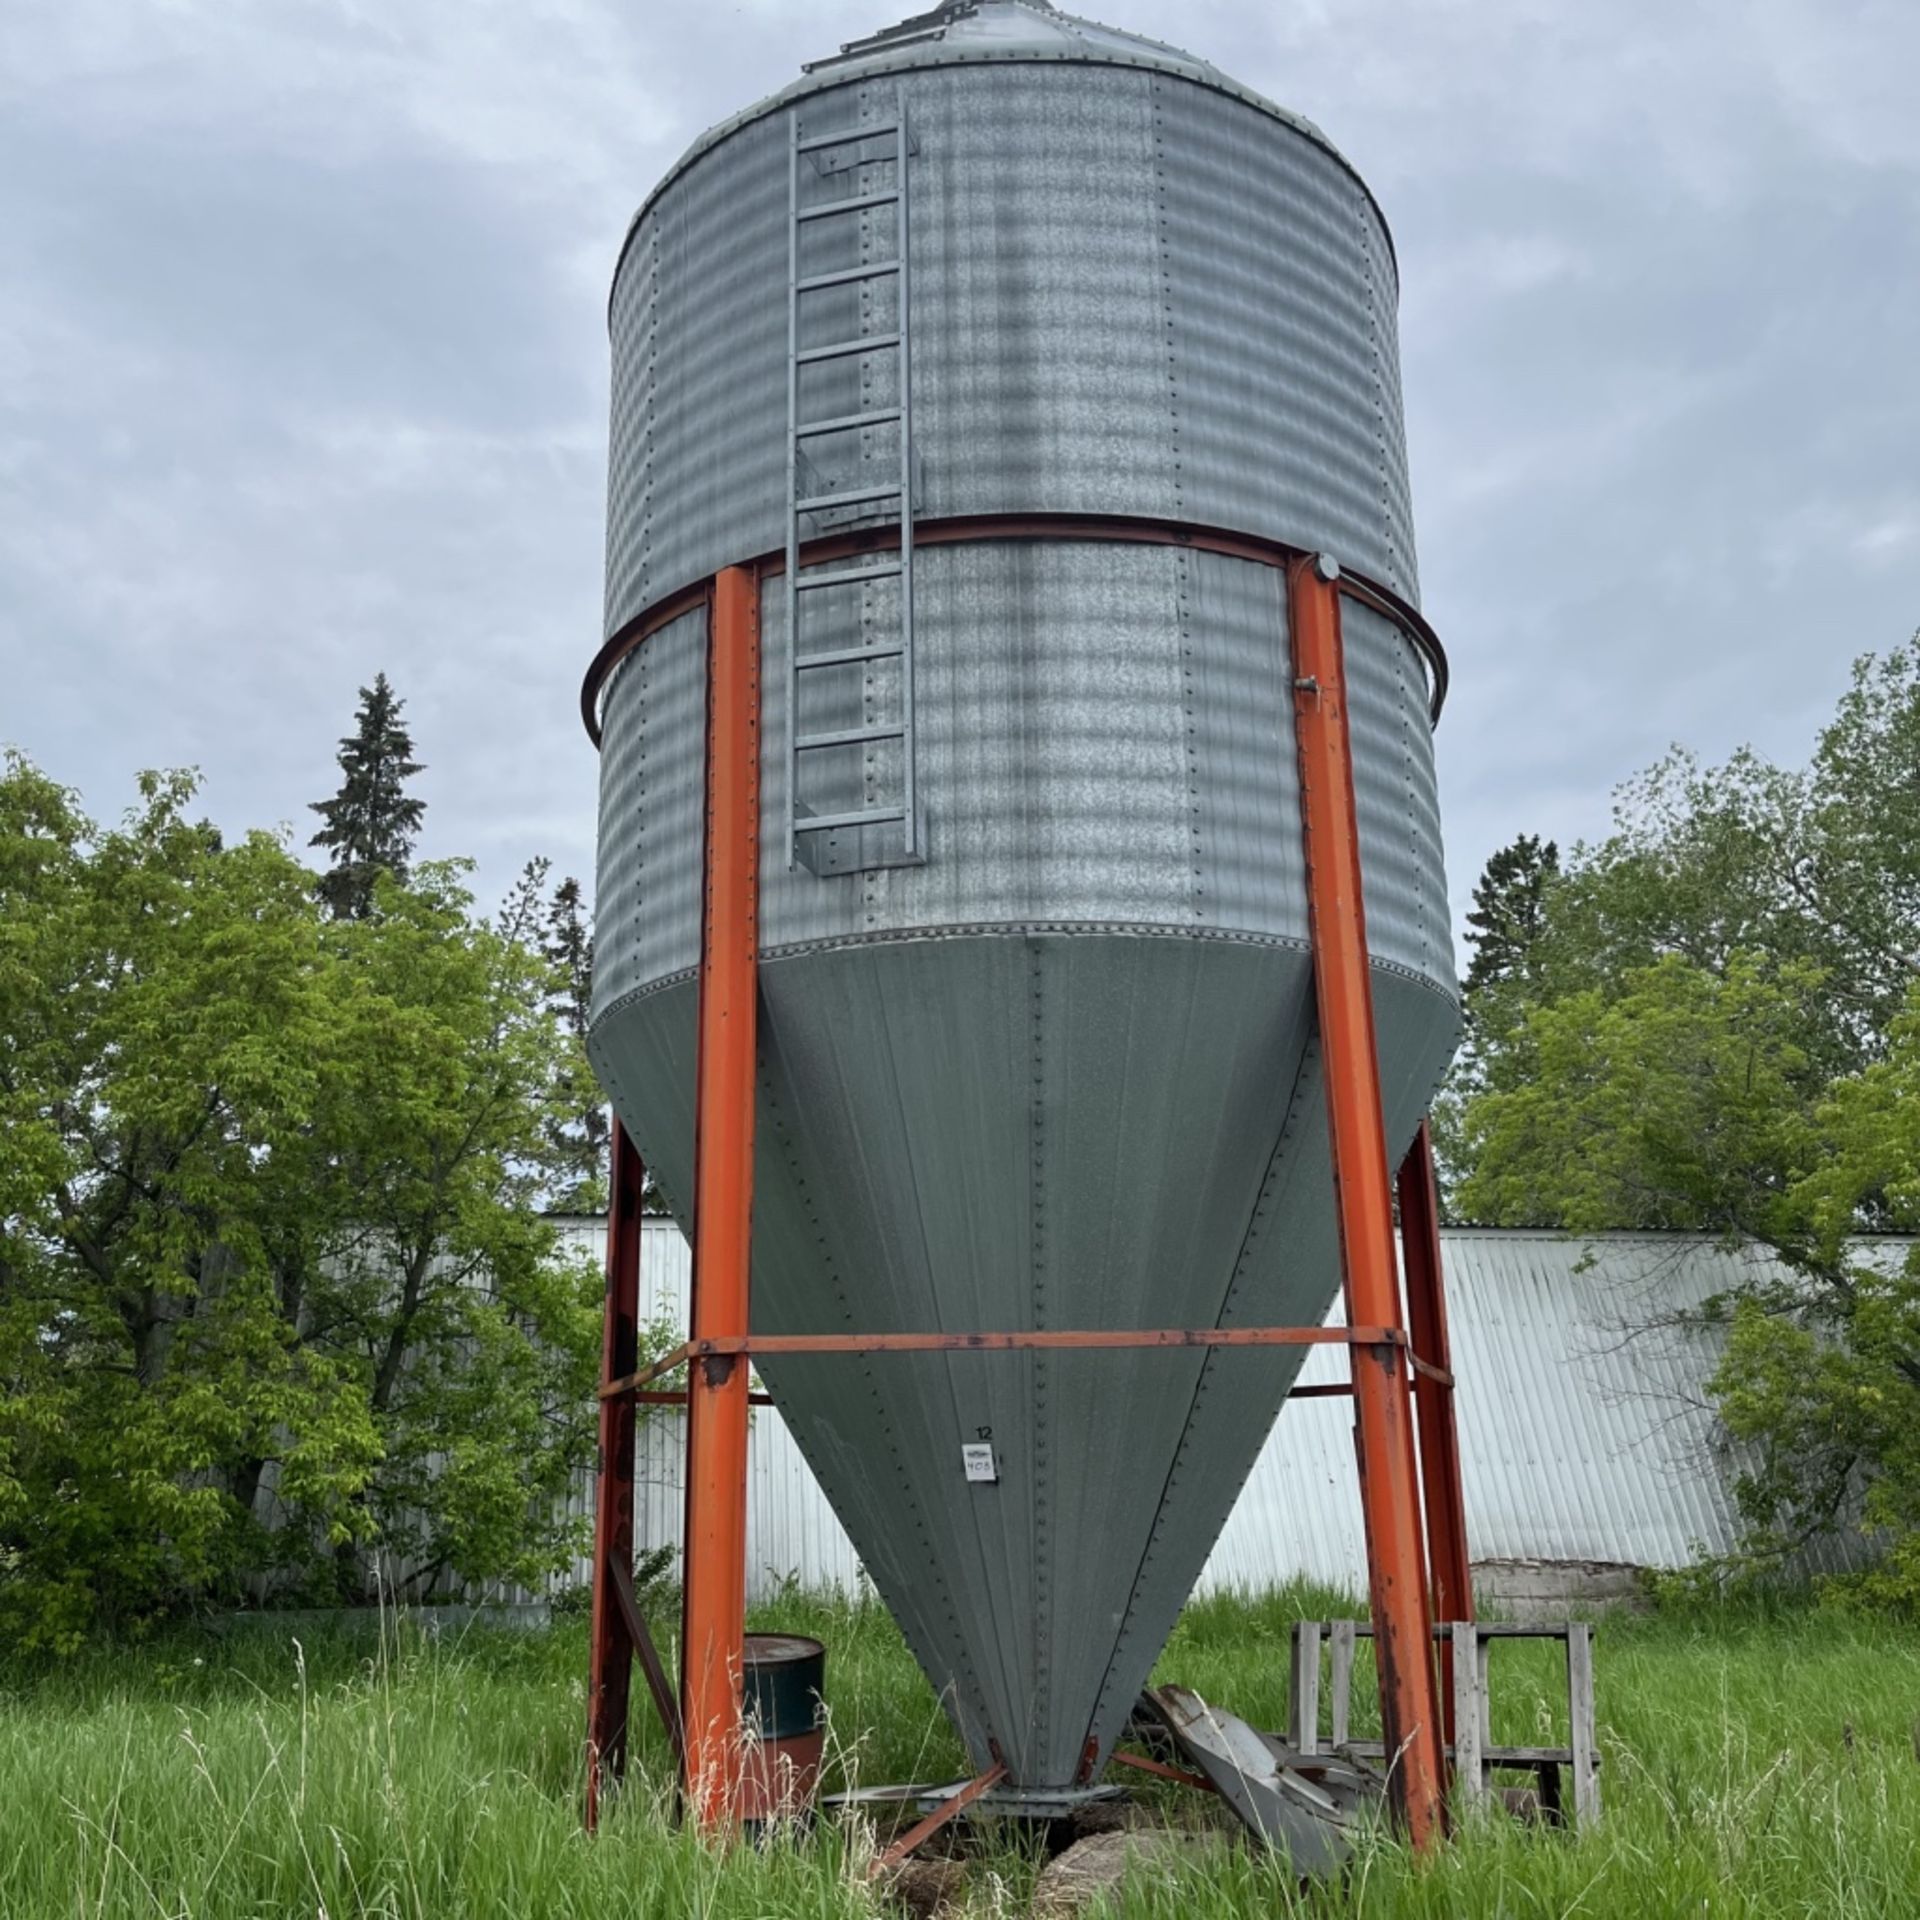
(1716, 1029)
(168, 1012)
(271, 1248)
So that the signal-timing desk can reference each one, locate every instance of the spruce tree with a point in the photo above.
(1508, 910)
(372, 822)
(581, 1131)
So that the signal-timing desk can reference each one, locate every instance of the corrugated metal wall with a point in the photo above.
(1584, 1425)
(1105, 742)
(1135, 292)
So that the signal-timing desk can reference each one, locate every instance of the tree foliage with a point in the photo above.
(1716, 1026)
(274, 1287)
(1675, 1099)
(1822, 1375)
(372, 822)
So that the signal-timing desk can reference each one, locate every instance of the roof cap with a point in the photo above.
(1008, 30)
(981, 32)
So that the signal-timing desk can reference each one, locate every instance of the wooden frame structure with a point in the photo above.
(1472, 1752)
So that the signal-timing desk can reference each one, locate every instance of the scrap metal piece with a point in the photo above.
(851, 1798)
(950, 1807)
(1355, 1786)
(1043, 1803)
(1310, 1818)
(995, 1803)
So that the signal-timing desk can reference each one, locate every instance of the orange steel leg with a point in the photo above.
(610, 1657)
(716, 1533)
(1389, 1488)
(1446, 1507)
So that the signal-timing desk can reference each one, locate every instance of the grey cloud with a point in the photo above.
(302, 370)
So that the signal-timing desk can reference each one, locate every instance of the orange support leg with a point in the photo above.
(1389, 1488)
(1446, 1507)
(610, 1656)
(716, 1532)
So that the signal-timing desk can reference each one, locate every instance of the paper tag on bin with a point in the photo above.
(978, 1460)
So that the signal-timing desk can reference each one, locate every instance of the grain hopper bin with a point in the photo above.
(1009, 360)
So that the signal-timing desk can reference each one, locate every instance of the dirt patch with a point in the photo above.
(926, 1889)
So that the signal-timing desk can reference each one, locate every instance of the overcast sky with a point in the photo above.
(303, 369)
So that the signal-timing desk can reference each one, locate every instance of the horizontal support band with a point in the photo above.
(1123, 529)
(1026, 1340)
(1486, 1629)
(1515, 1757)
(677, 1397)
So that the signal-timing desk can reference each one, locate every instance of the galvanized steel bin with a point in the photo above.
(1057, 1068)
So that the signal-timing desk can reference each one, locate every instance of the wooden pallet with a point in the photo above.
(1473, 1756)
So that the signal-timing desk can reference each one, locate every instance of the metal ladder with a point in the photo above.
(849, 152)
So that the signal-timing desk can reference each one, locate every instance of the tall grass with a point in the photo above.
(1756, 1764)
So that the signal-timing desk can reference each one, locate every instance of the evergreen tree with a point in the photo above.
(372, 822)
(568, 943)
(1507, 911)
(581, 1132)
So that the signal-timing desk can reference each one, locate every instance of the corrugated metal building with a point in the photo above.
(1588, 1440)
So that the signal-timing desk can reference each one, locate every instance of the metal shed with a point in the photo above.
(1589, 1446)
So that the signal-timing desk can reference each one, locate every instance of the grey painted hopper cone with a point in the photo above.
(1074, 1132)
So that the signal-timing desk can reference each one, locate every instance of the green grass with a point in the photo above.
(1757, 1763)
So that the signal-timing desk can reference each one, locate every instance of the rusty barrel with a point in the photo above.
(783, 1683)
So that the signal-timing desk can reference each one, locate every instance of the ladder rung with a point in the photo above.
(856, 203)
(819, 142)
(875, 817)
(845, 577)
(846, 276)
(847, 737)
(841, 349)
(846, 422)
(853, 497)
(847, 656)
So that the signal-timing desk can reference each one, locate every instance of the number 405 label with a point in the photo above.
(979, 1462)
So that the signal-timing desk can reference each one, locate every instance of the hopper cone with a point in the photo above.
(1071, 1131)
